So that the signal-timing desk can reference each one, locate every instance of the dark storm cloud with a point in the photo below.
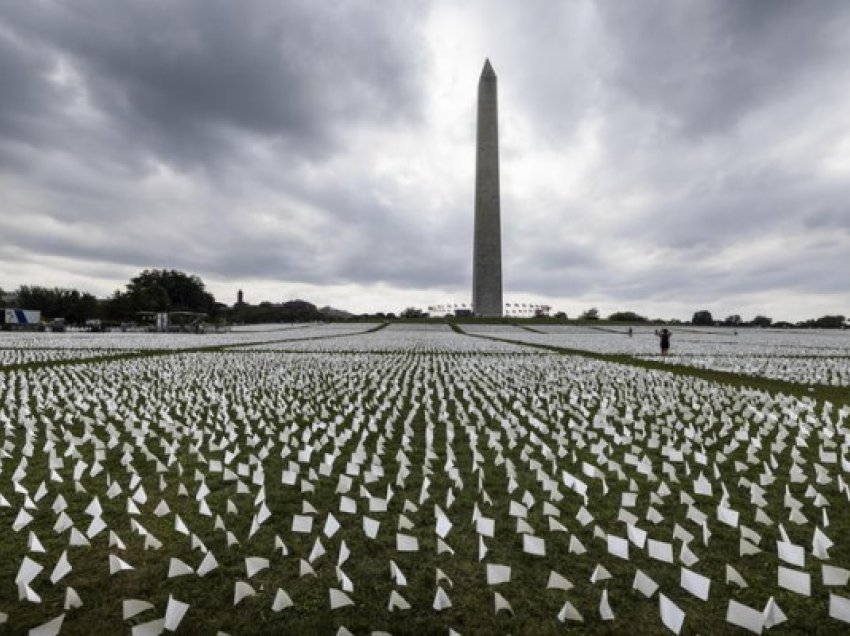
(180, 78)
(738, 207)
(362, 241)
(302, 141)
(553, 265)
(713, 119)
(103, 93)
(708, 64)
(24, 93)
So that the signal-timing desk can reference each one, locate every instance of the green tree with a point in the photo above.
(169, 290)
(255, 314)
(84, 307)
(160, 290)
(413, 312)
(702, 317)
(829, 322)
(7, 299)
(118, 308)
(56, 302)
(732, 321)
(762, 321)
(590, 314)
(626, 316)
(299, 311)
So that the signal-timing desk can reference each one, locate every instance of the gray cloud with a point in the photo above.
(180, 78)
(301, 141)
(19, 68)
(707, 65)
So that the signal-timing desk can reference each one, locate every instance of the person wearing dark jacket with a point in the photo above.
(664, 338)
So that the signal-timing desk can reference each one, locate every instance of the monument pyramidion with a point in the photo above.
(487, 243)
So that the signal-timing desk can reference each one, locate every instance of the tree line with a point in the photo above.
(154, 291)
(704, 318)
(169, 290)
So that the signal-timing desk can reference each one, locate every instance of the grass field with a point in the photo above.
(302, 469)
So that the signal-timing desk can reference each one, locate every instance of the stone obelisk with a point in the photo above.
(487, 247)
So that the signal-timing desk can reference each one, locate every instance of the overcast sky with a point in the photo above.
(660, 157)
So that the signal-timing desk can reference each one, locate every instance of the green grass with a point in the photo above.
(821, 392)
(115, 355)
(462, 396)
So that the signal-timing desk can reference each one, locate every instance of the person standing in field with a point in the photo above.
(664, 337)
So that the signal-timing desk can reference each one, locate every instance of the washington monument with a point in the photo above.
(487, 247)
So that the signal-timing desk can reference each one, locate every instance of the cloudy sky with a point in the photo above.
(660, 157)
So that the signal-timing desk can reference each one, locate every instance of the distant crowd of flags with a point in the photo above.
(510, 309)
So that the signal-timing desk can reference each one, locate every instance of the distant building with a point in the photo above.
(240, 299)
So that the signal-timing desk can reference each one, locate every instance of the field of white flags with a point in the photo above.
(347, 479)
(72, 344)
(806, 356)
